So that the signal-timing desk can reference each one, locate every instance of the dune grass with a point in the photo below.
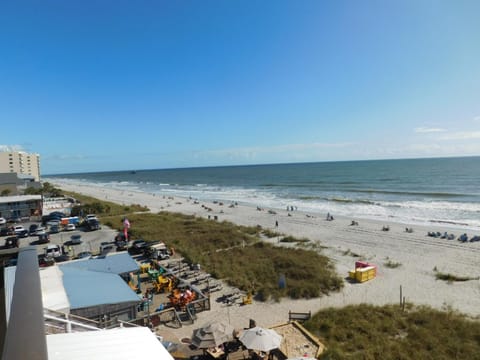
(450, 278)
(372, 332)
(292, 239)
(392, 264)
(229, 252)
(237, 255)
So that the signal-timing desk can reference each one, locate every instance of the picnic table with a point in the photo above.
(153, 274)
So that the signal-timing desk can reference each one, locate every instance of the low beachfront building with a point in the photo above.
(97, 288)
(91, 288)
(21, 206)
(99, 296)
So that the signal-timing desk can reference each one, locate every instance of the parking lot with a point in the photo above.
(90, 240)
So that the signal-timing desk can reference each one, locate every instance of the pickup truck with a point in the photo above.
(53, 251)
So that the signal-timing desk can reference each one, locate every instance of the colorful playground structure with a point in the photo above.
(163, 284)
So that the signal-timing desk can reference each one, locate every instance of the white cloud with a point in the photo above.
(11, 148)
(275, 153)
(462, 135)
(65, 157)
(280, 148)
(424, 130)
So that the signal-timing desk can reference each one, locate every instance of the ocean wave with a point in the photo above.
(414, 193)
(384, 208)
(352, 201)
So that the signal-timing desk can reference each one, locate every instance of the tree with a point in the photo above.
(6, 192)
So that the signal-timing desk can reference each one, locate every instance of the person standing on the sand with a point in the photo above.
(276, 223)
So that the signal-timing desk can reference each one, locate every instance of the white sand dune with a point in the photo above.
(417, 253)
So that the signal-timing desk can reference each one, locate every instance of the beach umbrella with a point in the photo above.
(212, 335)
(260, 339)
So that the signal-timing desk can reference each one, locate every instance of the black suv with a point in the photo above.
(92, 224)
(5, 231)
(43, 239)
(32, 229)
(22, 233)
(11, 242)
(56, 215)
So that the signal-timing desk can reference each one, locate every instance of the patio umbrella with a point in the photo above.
(212, 335)
(260, 339)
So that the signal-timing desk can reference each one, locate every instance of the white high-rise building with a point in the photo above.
(20, 162)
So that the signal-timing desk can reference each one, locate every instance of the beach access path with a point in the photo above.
(417, 255)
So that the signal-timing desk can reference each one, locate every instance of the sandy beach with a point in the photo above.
(417, 254)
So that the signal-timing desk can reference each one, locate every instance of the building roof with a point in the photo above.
(115, 344)
(19, 198)
(54, 296)
(92, 288)
(120, 263)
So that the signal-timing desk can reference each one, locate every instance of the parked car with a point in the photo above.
(92, 224)
(44, 260)
(32, 229)
(18, 228)
(53, 251)
(70, 227)
(90, 217)
(43, 238)
(53, 223)
(76, 239)
(35, 229)
(5, 231)
(84, 254)
(54, 229)
(53, 216)
(11, 242)
(22, 233)
(3, 221)
(41, 230)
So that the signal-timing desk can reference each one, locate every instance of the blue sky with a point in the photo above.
(114, 85)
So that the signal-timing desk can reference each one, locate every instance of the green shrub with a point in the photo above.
(386, 332)
(232, 253)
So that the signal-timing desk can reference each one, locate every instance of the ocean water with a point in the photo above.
(441, 190)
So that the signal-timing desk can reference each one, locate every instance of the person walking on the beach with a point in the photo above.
(276, 223)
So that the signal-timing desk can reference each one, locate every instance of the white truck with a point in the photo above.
(53, 251)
